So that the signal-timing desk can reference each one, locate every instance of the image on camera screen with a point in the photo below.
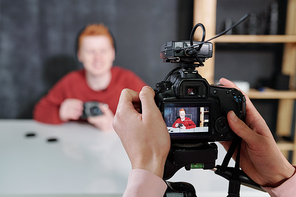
(187, 117)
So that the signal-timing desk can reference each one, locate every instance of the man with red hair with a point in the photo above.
(183, 122)
(99, 81)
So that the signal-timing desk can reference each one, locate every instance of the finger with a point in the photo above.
(74, 116)
(149, 108)
(125, 106)
(77, 108)
(252, 115)
(240, 128)
(147, 96)
(78, 102)
(105, 109)
(91, 119)
(78, 112)
(74, 105)
(227, 83)
(126, 100)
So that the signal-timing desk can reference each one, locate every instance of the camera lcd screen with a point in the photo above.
(183, 118)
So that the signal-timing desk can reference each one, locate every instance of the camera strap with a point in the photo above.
(234, 179)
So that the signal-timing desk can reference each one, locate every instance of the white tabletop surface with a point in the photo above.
(82, 162)
(194, 130)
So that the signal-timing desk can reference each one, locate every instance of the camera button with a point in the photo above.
(221, 125)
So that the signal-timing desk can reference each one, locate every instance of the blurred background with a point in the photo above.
(37, 43)
(37, 48)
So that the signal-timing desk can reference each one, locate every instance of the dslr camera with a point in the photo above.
(185, 98)
(207, 105)
(184, 89)
(91, 108)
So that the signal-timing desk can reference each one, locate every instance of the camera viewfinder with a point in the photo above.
(191, 91)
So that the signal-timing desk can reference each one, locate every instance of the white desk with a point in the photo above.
(194, 130)
(84, 161)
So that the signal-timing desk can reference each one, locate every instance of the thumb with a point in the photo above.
(105, 108)
(239, 127)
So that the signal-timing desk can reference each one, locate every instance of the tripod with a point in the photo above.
(204, 156)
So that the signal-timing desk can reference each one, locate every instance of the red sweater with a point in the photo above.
(188, 123)
(74, 85)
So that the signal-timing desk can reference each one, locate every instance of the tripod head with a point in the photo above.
(202, 155)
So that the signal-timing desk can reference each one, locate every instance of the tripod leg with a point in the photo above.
(179, 189)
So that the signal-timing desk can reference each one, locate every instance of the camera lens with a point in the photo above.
(95, 110)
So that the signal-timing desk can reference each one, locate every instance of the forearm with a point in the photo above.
(176, 122)
(145, 184)
(191, 126)
(47, 113)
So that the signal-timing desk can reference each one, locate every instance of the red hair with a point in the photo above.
(182, 110)
(95, 30)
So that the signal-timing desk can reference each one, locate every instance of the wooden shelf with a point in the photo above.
(205, 13)
(285, 146)
(256, 39)
(271, 94)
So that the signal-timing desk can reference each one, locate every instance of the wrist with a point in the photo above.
(62, 118)
(285, 174)
(155, 166)
(288, 174)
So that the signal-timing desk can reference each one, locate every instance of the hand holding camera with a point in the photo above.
(102, 118)
(181, 126)
(224, 114)
(261, 158)
(71, 109)
(97, 114)
(143, 135)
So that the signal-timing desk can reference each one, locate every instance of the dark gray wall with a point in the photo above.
(37, 40)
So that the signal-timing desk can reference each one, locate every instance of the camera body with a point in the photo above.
(91, 108)
(195, 112)
(206, 105)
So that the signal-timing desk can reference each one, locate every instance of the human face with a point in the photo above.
(97, 54)
(182, 114)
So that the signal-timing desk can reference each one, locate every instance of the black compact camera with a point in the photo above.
(91, 108)
(185, 97)
(180, 125)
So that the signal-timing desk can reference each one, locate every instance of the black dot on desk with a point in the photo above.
(30, 134)
(51, 140)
